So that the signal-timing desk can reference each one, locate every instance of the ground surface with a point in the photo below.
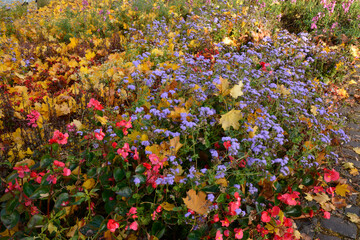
(339, 225)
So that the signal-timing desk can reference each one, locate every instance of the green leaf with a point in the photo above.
(195, 235)
(211, 188)
(110, 206)
(125, 192)
(10, 219)
(308, 180)
(41, 190)
(12, 204)
(119, 174)
(221, 198)
(140, 169)
(293, 211)
(35, 221)
(6, 197)
(111, 156)
(119, 133)
(158, 229)
(45, 162)
(61, 198)
(28, 189)
(92, 227)
(100, 113)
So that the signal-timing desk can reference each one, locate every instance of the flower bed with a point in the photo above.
(173, 129)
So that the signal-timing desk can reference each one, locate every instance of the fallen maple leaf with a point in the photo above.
(338, 202)
(342, 189)
(321, 198)
(231, 119)
(357, 150)
(353, 217)
(236, 92)
(197, 202)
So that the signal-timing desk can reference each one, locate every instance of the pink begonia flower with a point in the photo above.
(123, 153)
(225, 222)
(32, 118)
(265, 217)
(112, 225)
(218, 236)
(134, 226)
(327, 215)
(126, 147)
(21, 170)
(59, 138)
(59, 164)
(66, 172)
(51, 179)
(132, 210)
(238, 233)
(99, 135)
(331, 175)
(136, 155)
(289, 198)
(94, 103)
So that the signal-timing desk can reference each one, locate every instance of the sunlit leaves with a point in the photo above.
(231, 119)
(196, 201)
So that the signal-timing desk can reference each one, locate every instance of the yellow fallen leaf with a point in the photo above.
(222, 182)
(253, 132)
(348, 165)
(76, 171)
(167, 206)
(231, 119)
(357, 150)
(223, 86)
(321, 198)
(309, 197)
(89, 184)
(354, 172)
(353, 217)
(90, 55)
(26, 161)
(352, 82)
(236, 91)
(342, 189)
(313, 110)
(175, 144)
(197, 202)
(102, 120)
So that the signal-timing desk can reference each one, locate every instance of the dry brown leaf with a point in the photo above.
(338, 202)
(321, 198)
(197, 202)
(353, 217)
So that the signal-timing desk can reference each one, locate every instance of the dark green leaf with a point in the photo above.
(28, 189)
(211, 188)
(158, 229)
(221, 198)
(111, 156)
(35, 220)
(140, 169)
(45, 162)
(10, 219)
(119, 174)
(194, 235)
(61, 198)
(293, 211)
(40, 190)
(308, 180)
(125, 192)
